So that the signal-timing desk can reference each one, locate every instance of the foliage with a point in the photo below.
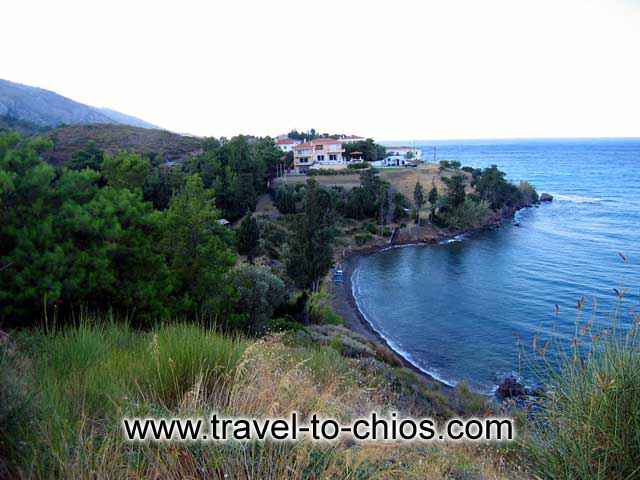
(310, 246)
(126, 170)
(66, 242)
(89, 157)
(273, 237)
(197, 250)
(418, 198)
(493, 187)
(366, 200)
(238, 170)
(455, 191)
(433, 195)
(162, 184)
(469, 214)
(357, 166)
(84, 379)
(370, 150)
(248, 237)
(286, 198)
(449, 164)
(588, 425)
(529, 194)
(259, 293)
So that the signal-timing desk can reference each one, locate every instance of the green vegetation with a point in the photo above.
(589, 423)
(310, 248)
(248, 237)
(370, 150)
(61, 417)
(136, 302)
(418, 200)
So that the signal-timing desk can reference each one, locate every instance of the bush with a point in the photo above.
(371, 228)
(358, 166)
(589, 423)
(362, 238)
(471, 214)
(320, 310)
(529, 193)
(259, 293)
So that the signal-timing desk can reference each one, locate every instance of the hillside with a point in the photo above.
(161, 145)
(44, 108)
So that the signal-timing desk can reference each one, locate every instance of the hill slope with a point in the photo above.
(44, 108)
(160, 145)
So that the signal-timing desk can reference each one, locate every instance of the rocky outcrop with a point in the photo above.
(546, 197)
(510, 388)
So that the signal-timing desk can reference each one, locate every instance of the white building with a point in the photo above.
(321, 153)
(287, 144)
(400, 157)
(410, 153)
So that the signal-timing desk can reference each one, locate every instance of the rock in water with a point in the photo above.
(546, 197)
(510, 388)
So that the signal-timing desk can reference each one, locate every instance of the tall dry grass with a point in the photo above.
(588, 425)
(81, 381)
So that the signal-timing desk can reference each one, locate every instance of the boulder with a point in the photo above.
(546, 197)
(510, 388)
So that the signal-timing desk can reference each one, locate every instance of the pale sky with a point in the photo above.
(392, 69)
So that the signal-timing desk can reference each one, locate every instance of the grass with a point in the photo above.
(589, 423)
(64, 393)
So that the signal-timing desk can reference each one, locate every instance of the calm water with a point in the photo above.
(454, 310)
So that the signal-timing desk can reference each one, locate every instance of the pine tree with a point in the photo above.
(418, 199)
(248, 237)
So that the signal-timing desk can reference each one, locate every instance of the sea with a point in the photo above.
(476, 308)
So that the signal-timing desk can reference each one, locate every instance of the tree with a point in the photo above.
(400, 203)
(197, 251)
(126, 170)
(433, 198)
(418, 199)
(66, 242)
(89, 157)
(285, 198)
(248, 237)
(456, 193)
(493, 187)
(258, 294)
(310, 248)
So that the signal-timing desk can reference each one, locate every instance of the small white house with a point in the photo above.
(287, 144)
(410, 153)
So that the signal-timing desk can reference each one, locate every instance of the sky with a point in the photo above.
(389, 70)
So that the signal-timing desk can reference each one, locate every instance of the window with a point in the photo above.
(320, 158)
(318, 147)
(333, 158)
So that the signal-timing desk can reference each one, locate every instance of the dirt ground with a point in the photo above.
(402, 179)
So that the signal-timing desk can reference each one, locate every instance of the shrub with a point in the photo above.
(470, 214)
(371, 228)
(320, 310)
(529, 193)
(362, 238)
(358, 166)
(589, 423)
(259, 293)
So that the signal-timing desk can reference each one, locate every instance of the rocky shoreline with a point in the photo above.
(344, 303)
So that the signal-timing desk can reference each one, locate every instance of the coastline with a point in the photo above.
(345, 305)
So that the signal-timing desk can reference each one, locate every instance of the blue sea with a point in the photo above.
(469, 309)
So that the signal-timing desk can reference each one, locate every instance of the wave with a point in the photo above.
(390, 343)
(457, 238)
(576, 198)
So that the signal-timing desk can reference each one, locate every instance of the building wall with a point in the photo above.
(318, 153)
